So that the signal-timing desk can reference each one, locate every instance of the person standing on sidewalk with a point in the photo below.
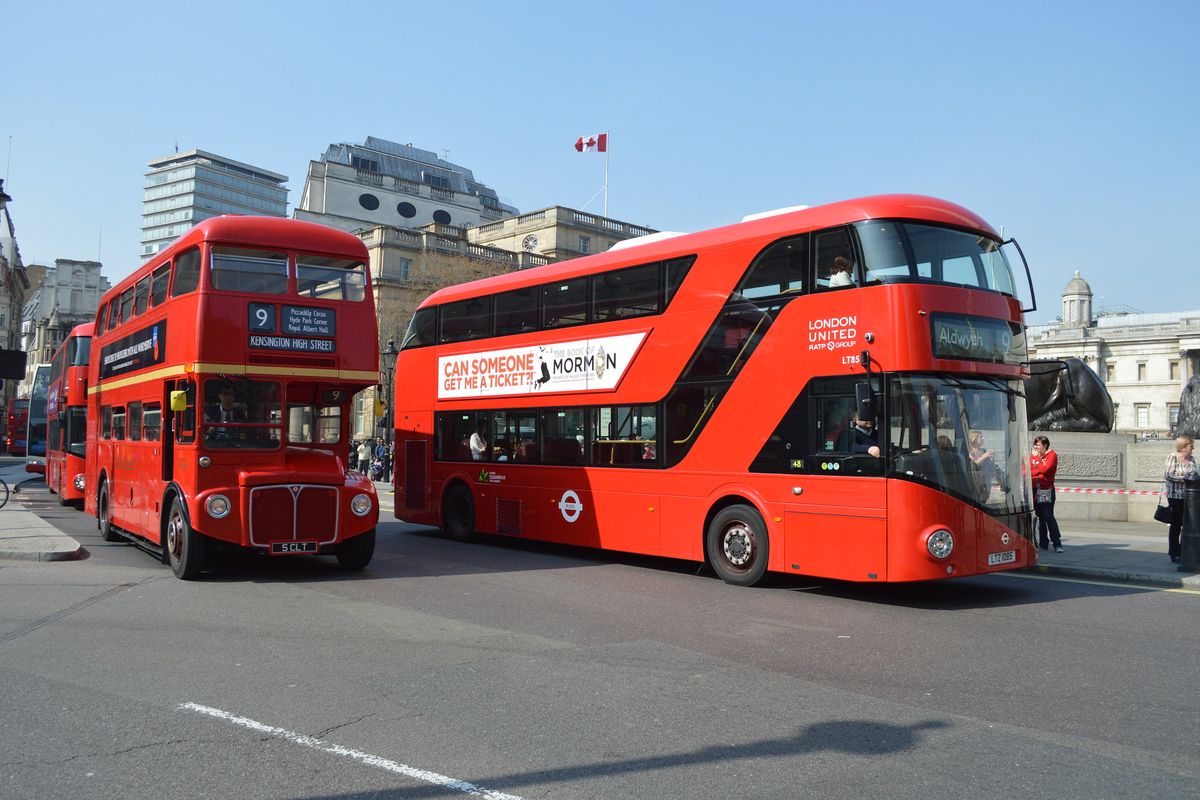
(1181, 465)
(1042, 466)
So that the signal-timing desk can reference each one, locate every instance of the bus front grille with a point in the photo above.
(293, 512)
(508, 516)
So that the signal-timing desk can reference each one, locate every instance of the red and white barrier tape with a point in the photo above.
(1080, 490)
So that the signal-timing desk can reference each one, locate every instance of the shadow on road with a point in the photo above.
(863, 738)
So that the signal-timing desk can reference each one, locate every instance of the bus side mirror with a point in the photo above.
(866, 406)
(179, 401)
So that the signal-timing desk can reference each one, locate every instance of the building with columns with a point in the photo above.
(1144, 360)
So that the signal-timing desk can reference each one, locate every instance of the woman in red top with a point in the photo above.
(1042, 466)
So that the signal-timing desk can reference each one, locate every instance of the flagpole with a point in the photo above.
(606, 174)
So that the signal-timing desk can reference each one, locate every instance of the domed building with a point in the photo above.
(1143, 359)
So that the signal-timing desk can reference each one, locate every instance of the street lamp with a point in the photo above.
(387, 366)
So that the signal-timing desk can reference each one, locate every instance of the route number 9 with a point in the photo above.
(262, 317)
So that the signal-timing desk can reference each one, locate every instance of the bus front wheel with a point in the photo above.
(356, 553)
(185, 548)
(737, 546)
(104, 516)
(458, 512)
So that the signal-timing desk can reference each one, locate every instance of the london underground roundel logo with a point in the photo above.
(570, 506)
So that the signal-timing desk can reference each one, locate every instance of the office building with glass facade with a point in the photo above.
(186, 188)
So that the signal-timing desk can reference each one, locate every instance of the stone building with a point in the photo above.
(67, 295)
(379, 182)
(14, 288)
(557, 232)
(1143, 359)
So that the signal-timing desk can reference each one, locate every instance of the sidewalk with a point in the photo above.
(23, 534)
(1122, 552)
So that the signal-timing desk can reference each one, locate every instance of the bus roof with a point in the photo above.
(886, 206)
(277, 232)
(84, 329)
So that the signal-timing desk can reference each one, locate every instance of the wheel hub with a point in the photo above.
(174, 536)
(738, 544)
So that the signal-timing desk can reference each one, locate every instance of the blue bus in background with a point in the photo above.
(35, 439)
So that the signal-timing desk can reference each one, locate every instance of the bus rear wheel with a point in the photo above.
(104, 516)
(458, 512)
(185, 548)
(737, 546)
(355, 554)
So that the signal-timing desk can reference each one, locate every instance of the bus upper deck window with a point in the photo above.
(187, 273)
(158, 284)
(240, 269)
(330, 278)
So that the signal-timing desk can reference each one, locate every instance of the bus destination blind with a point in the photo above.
(299, 329)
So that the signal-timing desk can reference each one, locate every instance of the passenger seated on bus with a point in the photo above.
(840, 274)
(479, 444)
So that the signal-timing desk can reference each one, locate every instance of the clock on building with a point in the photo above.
(530, 242)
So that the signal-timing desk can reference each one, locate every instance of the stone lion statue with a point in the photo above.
(1189, 409)
(1071, 399)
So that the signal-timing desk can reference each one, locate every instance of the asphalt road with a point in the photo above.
(503, 668)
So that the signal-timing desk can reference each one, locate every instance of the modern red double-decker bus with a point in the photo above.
(219, 395)
(66, 416)
(834, 391)
(16, 426)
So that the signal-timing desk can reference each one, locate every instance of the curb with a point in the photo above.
(1132, 578)
(44, 555)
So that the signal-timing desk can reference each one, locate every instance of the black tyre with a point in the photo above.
(184, 547)
(104, 516)
(61, 500)
(458, 512)
(737, 546)
(356, 553)
(3, 494)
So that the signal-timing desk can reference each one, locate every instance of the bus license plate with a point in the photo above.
(291, 548)
(1007, 557)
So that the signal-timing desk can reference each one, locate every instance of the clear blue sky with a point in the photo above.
(1075, 125)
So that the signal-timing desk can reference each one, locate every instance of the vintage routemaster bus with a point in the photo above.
(16, 426)
(834, 391)
(66, 416)
(219, 395)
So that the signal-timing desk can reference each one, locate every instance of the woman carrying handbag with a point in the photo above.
(1181, 465)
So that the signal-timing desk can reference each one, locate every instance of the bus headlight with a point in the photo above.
(80, 482)
(361, 504)
(940, 544)
(217, 506)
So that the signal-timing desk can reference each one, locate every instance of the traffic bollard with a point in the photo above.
(1189, 537)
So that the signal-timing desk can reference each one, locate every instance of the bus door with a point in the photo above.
(178, 434)
(124, 472)
(837, 523)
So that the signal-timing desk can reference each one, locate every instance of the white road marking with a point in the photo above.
(338, 750)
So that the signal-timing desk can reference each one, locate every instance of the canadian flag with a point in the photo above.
(597, 142)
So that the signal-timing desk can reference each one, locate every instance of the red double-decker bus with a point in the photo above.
(66, 416)
(834, 391)
(16, 426)
(219, 395)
